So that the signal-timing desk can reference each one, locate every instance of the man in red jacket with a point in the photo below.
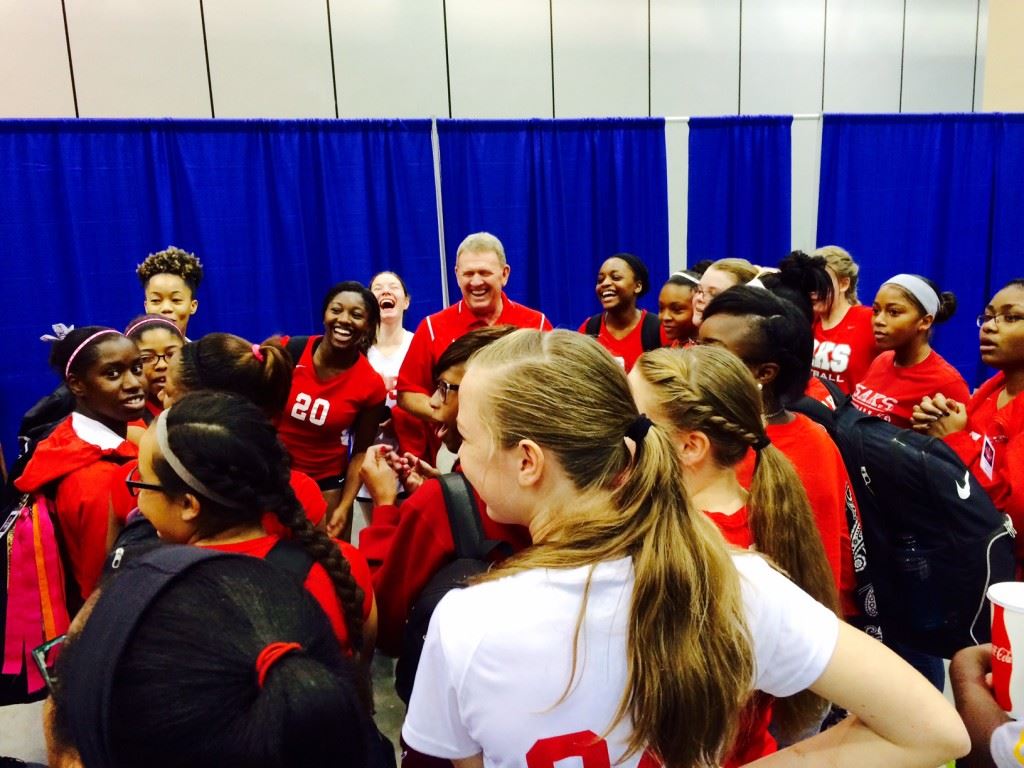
(482, 272)
(405, 546)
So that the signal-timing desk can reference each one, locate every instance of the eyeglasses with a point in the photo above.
(708, 292)
(134, 486)
(1001, 319)
(45, 657)
(151, 358)
(444, 388)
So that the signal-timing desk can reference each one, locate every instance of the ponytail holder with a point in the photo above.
(257, 352)
(762, 442)
(638, 429)
(269, 656)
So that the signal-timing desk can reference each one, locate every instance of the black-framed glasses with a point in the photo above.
(1005, 318)
(134, 486)
(444, 388)
(152, 358)
(45, 657)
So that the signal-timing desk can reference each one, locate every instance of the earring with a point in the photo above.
(760, 386)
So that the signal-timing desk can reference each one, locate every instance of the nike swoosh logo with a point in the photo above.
(964, 491)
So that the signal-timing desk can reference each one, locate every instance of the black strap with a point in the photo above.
(295, 346)
(291, 558)
(593, 326)
(464, 519)
(650, 333)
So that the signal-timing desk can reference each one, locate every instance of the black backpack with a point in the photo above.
(934, 541)
(650, 332)
(38, 422)
(473, 556)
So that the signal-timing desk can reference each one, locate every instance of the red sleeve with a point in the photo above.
(84, 502)
(416, 373)
(421, 544)
(360, 572)
(583, 326)
(375, 539)
(546, 324)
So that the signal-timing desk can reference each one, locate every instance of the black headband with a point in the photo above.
(105, 636)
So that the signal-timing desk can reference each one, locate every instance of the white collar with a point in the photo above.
(95, 432)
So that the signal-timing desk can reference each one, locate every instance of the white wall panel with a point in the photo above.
(389, 58)
(695, 57)
(863, 47)
(137, 59)
(499, 58)
(35, 80)
(781, 53)
(938, 58)
(979, 66)
(600, 58)
(270, 58)
(677, 162)
(806, 163)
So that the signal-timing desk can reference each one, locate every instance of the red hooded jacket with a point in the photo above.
(89, 487)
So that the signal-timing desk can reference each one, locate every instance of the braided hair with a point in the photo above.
(232, 449)
(710, 389)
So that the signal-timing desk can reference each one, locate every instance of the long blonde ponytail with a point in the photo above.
(689, 660)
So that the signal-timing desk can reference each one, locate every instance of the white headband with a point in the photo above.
(919, 289)
(187, 477)
(688, 278)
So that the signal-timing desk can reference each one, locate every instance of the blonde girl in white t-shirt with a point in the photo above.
(628, 635)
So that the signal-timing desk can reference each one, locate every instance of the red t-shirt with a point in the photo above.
(735, 527)
(891, 392)
(992, 446)
(821, 470)
(318, 583)
(315, 423)
(310, 497)
(818, 391)
(752, 737)
(843, 353)
(627, 349)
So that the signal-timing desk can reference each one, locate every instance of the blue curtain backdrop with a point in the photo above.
(936, 195)
(276, 210)
(562, 195)
(739, 196)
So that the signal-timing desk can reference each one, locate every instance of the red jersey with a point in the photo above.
(318, 583)
(407, 545)
(891, 392)
(753, 739)
(821, 470)
(843, 353)
(315, 423)
(90, 484)
(627, 349)
(992, 446)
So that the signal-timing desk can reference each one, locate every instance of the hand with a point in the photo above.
(337, 519)
(939, 416)
(379, 476)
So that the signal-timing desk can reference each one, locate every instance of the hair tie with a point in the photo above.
(638, 429)
(258, 353)
(83, 345)
(59, 332)
(269, 656)
(762, 442)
